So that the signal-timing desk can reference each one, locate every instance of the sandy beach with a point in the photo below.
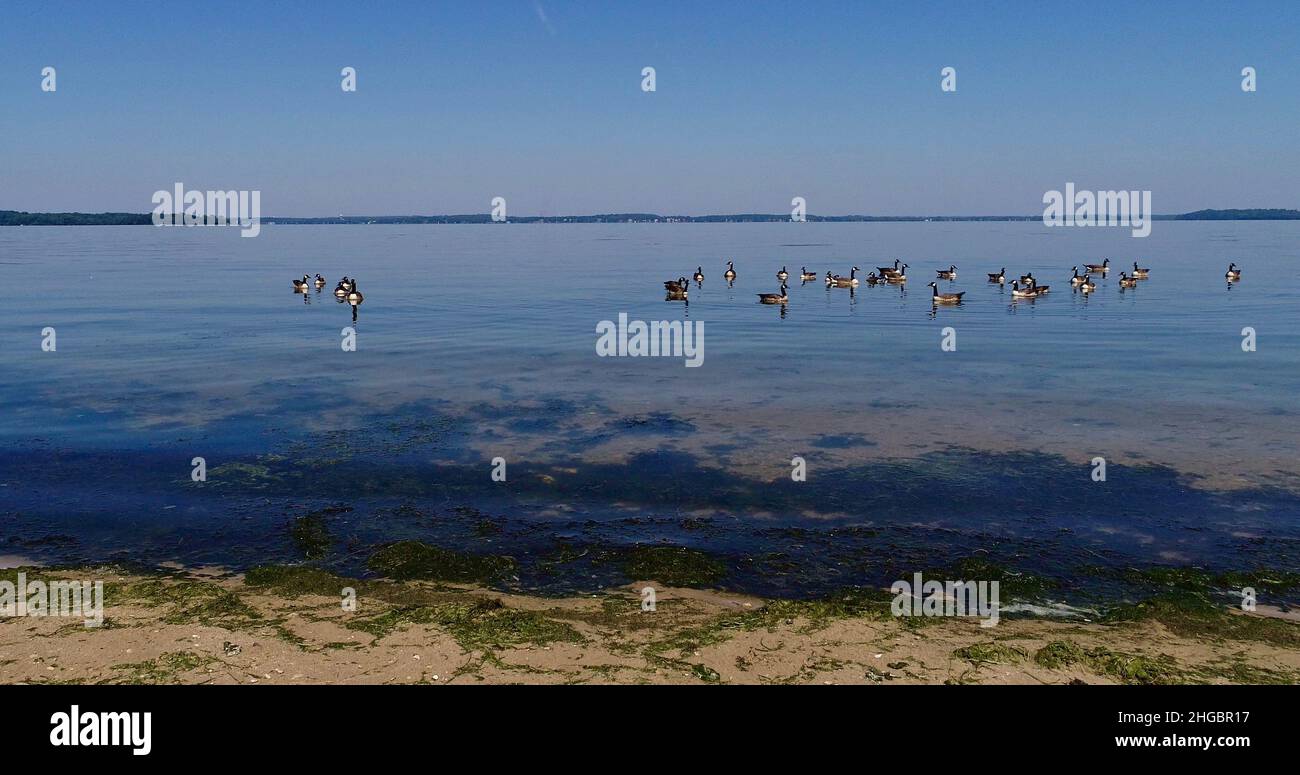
(288, 626)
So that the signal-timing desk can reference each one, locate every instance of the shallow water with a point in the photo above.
(479, 341)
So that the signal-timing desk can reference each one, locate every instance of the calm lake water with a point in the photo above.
(479, 341)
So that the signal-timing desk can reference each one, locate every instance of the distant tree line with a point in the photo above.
(16, 218)
(1241, 215)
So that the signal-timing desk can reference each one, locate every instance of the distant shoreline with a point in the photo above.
(20, 218)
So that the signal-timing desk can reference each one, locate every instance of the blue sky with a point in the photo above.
(540, 102)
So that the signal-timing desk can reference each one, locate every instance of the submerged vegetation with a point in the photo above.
(311, 535)
(675, 566)
(406, 560)
(1012, 584)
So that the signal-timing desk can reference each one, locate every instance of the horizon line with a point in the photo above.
(23, 217)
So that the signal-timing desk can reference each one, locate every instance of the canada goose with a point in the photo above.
(699, 274)
(320, 281)
(1087, 286)
(1103, 267)
(774, 298)
(1028, 279)
(1233, 274)
(897, 276)
(805, 275)
(354, 296)
(1022, 293)
(872, 279)
(1078, 279)
(944, 298)
(730, 274)
(1127, 282)
(1140, 272)
(999, 277)
(677, 293)
(782, 275)
(886, 271)
(303, 284)
(343, 287)
(843, 282)
(675, 285)
(948, 274)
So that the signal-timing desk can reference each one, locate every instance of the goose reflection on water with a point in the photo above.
(672, 296)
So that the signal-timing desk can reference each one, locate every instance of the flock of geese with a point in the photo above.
(1024, 287)
(345, 291)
